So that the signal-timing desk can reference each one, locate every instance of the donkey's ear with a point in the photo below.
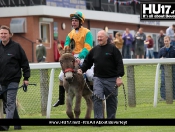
(67, 49)
(60, 49)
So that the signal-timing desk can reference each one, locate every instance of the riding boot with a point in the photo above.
(91, 87)
(4, 106)
(61, 97)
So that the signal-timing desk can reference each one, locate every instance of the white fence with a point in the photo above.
(125, 61)
(129, 63)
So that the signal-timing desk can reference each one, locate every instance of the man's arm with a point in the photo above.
(120, 67)
(24, 64)
(88, 62)
(87, 45)
(131, 38)
(119, 62)
(67, 42)
(144, 37)
(123, 36)
(168, 32)
(160, 53)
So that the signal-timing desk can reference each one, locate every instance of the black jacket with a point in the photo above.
(161, 41)
(12, 60)
(167, 53)
(107, 61)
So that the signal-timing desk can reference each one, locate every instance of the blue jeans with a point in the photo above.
(127, 51)
(149, 52)
(162, 85)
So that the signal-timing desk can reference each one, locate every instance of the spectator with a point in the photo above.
(108, 70)
(40, 51)
(161, 40)
(83, 43)
(170, 32)
(128, 39)
(110, 39)
(140, 37)
(149, 50)
(118, 41)
(12, 60)
(168, 51)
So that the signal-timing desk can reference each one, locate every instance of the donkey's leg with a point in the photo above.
(69, 102)
(89, 105)
(77, 104)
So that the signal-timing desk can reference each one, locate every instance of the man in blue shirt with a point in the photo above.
(170, 32)
(128, 39)
(168, 51)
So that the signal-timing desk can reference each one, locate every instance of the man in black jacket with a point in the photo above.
(161, 40)
(12, 60)
(168, 51)
(108, 70)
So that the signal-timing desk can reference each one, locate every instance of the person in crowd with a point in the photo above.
(128, 39)
(170, 32)
(161, 39)
(40, 51)
(108, 72)
(110, 39)
(168, 51)
(149, 50)
(118, 41)
(140, 37)
(83, 43)
(12, 60)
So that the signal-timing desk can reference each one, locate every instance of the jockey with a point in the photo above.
(83, 43)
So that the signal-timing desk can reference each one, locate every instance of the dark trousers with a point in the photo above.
(9, 100)
(103, 87)
(162, 85)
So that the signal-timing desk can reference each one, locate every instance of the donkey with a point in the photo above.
(75, 85)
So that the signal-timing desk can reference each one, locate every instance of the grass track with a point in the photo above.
(144, 84)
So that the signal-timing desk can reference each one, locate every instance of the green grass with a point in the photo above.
(144, 89)
(97, 129)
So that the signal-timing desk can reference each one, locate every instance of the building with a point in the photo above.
(49, 20)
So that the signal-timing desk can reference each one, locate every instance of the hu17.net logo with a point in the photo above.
(157, 11)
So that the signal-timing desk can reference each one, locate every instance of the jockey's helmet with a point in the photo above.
(78, 15)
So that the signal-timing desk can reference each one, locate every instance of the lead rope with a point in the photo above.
(109, 94)
(125, 96)
(22, 86)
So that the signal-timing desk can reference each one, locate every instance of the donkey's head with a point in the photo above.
(67, 62)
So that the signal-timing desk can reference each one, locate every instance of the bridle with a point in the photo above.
(69, 69)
